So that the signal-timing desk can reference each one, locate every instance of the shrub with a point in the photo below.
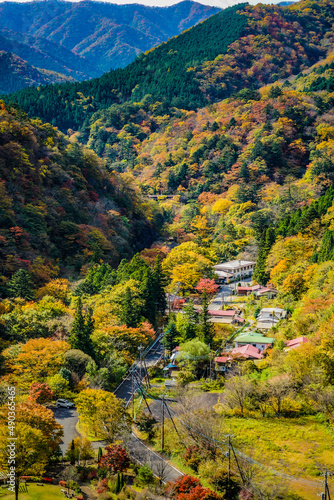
(62, 484)
(144, 476)
(192, 457)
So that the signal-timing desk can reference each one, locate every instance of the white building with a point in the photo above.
(234, 269)
(270, 316)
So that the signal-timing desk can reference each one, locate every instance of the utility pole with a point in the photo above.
(133, 395)
(229, 467)
(326, 495)
(141, 348)
(163, 423)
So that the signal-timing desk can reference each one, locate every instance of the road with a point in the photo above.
(68, 418)
(137, 449)
(124, 390)
(224, 294)
(144, 455)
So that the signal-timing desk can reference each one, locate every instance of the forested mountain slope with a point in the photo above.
(202, 65)
(161, 72)
(16, 73)
(41, 53)
(59, 206)
(107, 35)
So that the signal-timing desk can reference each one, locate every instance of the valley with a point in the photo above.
(188, 196)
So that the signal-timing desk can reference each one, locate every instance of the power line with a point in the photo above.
(245, 457)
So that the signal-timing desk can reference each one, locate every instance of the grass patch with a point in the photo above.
(86, 432)
(35, 492)
(296, 446)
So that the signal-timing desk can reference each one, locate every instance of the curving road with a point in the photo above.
(68, 418)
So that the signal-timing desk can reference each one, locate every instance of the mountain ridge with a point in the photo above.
(107, 35)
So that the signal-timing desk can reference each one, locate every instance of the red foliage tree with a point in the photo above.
(190, 488)
(116, 459)
(207, 285)
(40, 393)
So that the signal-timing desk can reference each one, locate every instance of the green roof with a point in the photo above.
(253, 338)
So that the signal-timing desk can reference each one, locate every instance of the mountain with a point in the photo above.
(59, 206)
(106, 35)
(164, 72)
(15, 74)
(41, 53)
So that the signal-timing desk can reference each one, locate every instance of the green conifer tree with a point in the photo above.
(170, 336)
(205, 326)
(266, 242)
(326, 251)
(130, 313)
(82, 329)
(159, 286)
(21, 285)
(72, 453)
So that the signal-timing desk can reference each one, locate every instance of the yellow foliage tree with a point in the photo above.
(35, 361)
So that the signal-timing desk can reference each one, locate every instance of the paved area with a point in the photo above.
(224, 295)
(137, 372)
(144, 455)
(68, 418)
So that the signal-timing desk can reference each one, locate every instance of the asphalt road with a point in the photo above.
(124, 390)
(68, 418)
(144, 455)
(224, 294)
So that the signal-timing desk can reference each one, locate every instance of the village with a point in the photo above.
(251, 327)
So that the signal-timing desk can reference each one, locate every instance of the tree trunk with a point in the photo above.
(17, 484)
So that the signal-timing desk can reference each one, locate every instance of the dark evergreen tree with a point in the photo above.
(159, 286)
(205, 326)
(191, 315)
(130, 312)
(21, 285)
(266, 242)
(326, 251)
(72, 453)
(82, 329)
(170, 336)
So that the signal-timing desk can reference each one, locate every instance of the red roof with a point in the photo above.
(221, 359)
(250, 288)
(296, 342)
(266, 289)
(248, 351)
(222, 313)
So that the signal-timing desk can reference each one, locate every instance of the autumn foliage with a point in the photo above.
(116, 459)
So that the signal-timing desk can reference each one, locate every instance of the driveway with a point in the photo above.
(68, 418)
(224, 295)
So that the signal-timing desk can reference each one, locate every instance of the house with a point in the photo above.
(246, 290)
(268, 292)
(294, 343)
(175, 354)
(224, 362)
(255, 339)
(258, 291)
(170, 370)
(234, 269)
(247, 351)
(270, 316)
(229, 316)
(221, 363)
